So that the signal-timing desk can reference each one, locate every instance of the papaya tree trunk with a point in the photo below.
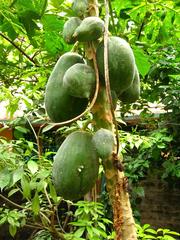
(116, 182)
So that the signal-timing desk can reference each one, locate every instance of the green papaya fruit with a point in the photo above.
(75, 166)
(80, 80)
(132, 94)
(69, 28)
(121, 63)
(80, 7)
(90, 29)
(60, 106)
(103, 141)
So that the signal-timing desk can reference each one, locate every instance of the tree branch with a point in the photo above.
(19, 49)
(11, 202)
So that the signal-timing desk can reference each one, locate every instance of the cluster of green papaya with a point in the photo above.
(69, 89)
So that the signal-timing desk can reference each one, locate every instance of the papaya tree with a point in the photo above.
(99, 70)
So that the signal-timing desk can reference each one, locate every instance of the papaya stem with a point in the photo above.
(106, 72)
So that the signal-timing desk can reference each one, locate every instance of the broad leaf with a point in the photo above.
(142, 61)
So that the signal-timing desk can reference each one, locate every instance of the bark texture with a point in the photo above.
(116, 182)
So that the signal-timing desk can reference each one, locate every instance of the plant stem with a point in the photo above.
(19, 49)
(11, 202)
(106, 73)
(104, 117)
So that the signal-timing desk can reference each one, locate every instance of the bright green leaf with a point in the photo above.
(32, 166)
(36, 204)
(5, 177)
(142, 61)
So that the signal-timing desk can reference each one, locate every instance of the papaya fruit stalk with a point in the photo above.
(116, 181)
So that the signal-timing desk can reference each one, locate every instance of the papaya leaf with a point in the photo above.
(142, 61)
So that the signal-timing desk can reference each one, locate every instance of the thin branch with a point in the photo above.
(33, 226)
(58, 220)
(106, 71)
(45, 217)
(141, 29)
(19, 49)
(47, 197)
(37, 137)
(11, 202)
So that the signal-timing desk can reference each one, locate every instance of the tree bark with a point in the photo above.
(116, 182)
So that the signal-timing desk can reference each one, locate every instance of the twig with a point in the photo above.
(59, 223)
(37, 137)
(34, 226)
(19, 49)
(44, 216)
(140, 29)
(106, 71)
(48, 199)
(11, 202)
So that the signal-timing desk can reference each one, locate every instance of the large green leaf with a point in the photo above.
(142, 61)
(5, 178)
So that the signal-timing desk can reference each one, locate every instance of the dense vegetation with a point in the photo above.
(31, 41)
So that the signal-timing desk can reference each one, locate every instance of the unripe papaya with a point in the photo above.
(75, 166)
(60, 106)
(90, 29)
(80, 7)
(80, 80)
(133, 92)
(121, 63)
(103, 141)
(69, 28)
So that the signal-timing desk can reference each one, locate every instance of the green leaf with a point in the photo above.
(17, 175)
(102, 226)
(21, 129)
(3, 220)
(5, 177)
(25, 186)
(47, 128)
(90, 232)
(79, 232)
(12, 230)
(142, 61)
(53, 193)
(32, 166)
(52, 22)
(12, 192)
(36, 204)
(57, 3)
(11, 220)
